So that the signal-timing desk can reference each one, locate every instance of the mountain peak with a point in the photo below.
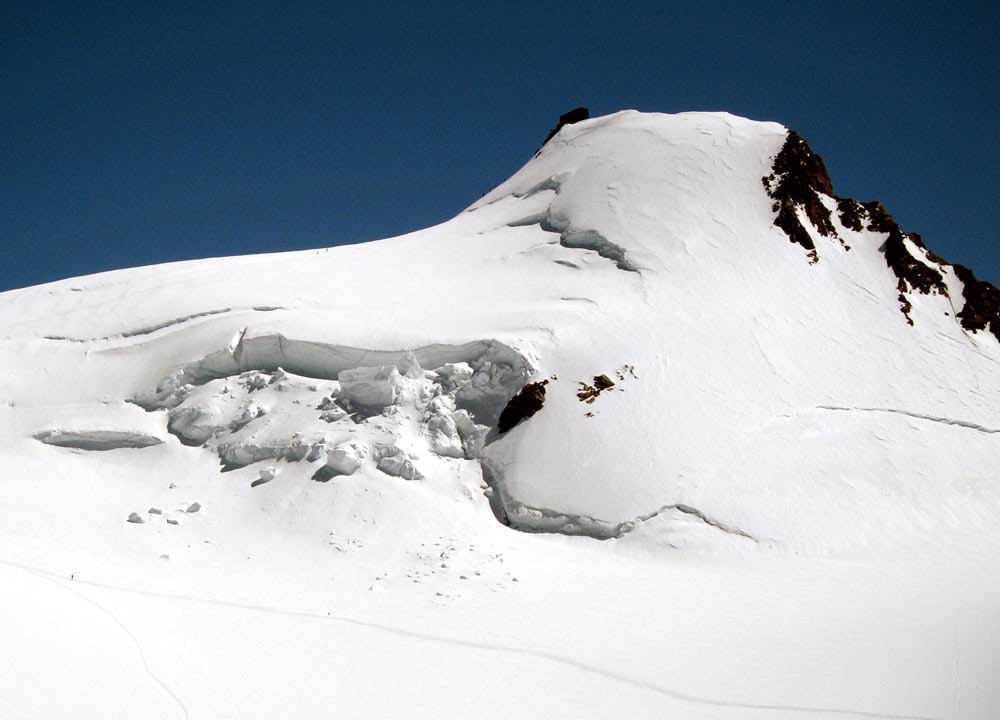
(640, 241)
(357, 450)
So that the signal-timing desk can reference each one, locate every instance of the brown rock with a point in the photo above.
(798, 177)
(522, 406)
(982, 303)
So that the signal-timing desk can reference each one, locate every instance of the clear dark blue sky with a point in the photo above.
(137, 133)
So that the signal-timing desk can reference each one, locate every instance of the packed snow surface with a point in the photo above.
(274, 485)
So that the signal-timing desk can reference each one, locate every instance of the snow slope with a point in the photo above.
(274, 485)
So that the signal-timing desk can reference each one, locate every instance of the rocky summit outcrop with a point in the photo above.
(798, 177)
(982, 303)
(568, 118)
(798, 185)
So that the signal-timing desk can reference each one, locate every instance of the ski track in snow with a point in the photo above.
(60, 582)
(917, 416)
(63, 582)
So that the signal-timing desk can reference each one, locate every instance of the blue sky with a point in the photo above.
(137, 133)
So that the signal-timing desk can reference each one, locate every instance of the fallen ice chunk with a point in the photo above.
(370, 387)
(393, 461)
(169, 393)
(347, 457)
(453, 375)
(444, 437)
(250, 413)
(255, 380)
(243, 452)
(266, 475)
(195, 425)
(408, 366)
(332, 415)
(473, 435)
(327, 403)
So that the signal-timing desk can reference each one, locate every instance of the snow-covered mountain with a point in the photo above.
(660, 426)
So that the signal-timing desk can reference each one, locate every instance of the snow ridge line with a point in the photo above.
(918, 416)
(150, 329)
(491, 647)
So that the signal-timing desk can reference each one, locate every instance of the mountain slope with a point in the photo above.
(722, 358)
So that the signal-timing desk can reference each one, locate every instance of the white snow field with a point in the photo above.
(276, 486)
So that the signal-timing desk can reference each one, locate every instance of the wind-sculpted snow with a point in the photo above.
(569, 235)
(166, 324)
(591, 240)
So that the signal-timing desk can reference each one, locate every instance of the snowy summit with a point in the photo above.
(659, 427)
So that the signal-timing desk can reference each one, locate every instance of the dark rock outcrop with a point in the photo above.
(568, 118)
(851, 212)
(982, 303)
(911, 273)
(799, 179)
(522, 406)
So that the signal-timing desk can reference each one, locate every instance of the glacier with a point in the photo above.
(758, 478)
